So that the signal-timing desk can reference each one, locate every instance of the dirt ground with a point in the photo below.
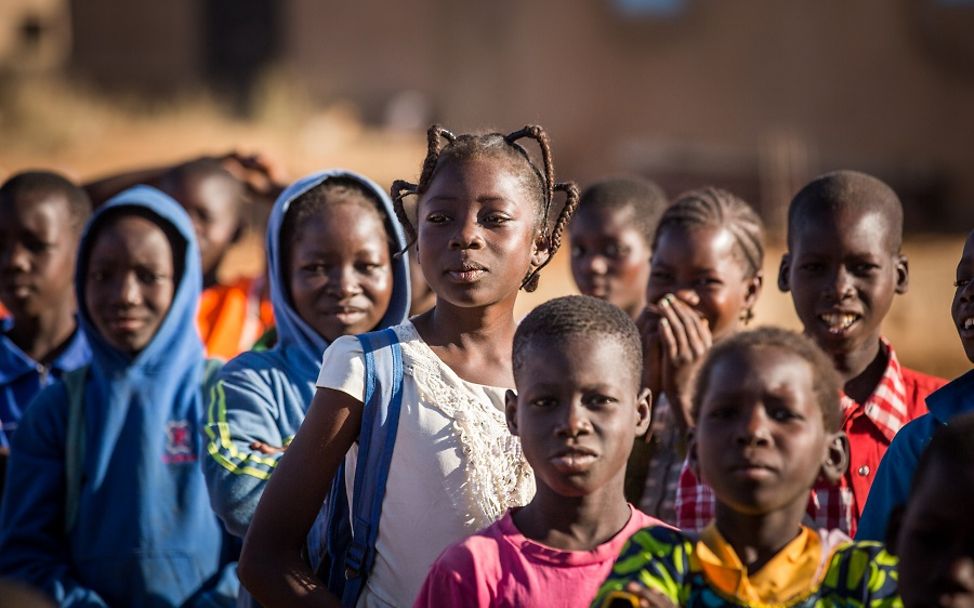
(85, 137)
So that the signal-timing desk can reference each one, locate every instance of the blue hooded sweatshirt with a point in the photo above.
(263, 396)
(144, 533)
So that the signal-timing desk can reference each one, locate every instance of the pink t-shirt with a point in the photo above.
(498, 566)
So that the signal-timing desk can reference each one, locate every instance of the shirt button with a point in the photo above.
(863, 470)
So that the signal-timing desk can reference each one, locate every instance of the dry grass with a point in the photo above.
(49, 124)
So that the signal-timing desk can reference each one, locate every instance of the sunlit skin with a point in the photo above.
(935, 542)
(842, 273)
(340, 273)
(577, 409)
(760, 444)
(38, 241)
(699, 290)
(213, 204)
(477, 241)
(610, 258)
(962, 306)
(129, 284)
(478, 238)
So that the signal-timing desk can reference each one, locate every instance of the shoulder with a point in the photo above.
(656, 543)
(252, 367)
(913, 437)
(474, 552)
(862, 570)
(918, 385)
(46, 417)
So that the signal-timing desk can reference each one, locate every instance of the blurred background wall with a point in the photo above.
(754, 95)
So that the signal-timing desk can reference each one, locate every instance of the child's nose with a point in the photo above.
(467, 235)
(753, 428)
(688, 295)
(597, 264)
(343, 281)
(15, 257)
(841, 286)
(574, 422)
(129, 292)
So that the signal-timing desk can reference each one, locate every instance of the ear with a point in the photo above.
(540, 251)
(902, 274)
(836, 460)
(784, 269)
(644, 411)
(510, 411)
(754, 285)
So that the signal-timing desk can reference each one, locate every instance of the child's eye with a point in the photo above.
(97, 275)
(148, 277)
(709, 282)
(368, 267)
(864, 268)
(598, 400)
(660, 276)
(613, 251)
(782, 414)
(544, 402)
(962, 282)
(437, 218)
(496, 219)
(577, 251)
(811, 267)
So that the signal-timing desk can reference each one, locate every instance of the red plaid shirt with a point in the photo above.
(898, 398)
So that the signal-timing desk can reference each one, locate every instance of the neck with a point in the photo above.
(758, 538)
(574, 523)
(635, 309)
(210, 278)
(42, 337)
(452, 326)
(861, 368)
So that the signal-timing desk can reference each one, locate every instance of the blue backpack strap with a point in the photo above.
(74, 445)
(377, 437)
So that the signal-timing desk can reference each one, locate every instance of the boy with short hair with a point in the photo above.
(579, 405)
(768, 428)
(843, 266)
(41, 218)
(896, 472)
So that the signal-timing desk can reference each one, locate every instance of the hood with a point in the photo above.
(177, 340)
(300, 344)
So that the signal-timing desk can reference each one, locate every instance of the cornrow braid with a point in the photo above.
(718, 208)
(540, 183)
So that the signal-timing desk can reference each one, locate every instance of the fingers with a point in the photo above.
(649, 598)
(264, 448)
(685, 332)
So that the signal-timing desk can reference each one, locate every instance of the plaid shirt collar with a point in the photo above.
(886, 406)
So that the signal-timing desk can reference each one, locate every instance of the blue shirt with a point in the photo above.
(21, 378)
(891, 488)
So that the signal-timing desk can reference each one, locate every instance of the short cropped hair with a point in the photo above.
(826, 382)
(567, 316)
(646, 200)
(38, 185)
(847, 190)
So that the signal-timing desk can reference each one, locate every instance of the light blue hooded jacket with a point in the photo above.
(144, 533)
(263, 396)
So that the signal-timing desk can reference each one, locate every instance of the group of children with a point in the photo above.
(637, 445)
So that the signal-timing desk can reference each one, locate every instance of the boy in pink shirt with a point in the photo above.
(579, 405)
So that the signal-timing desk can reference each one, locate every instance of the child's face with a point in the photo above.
(936, 540)
(843, 273)
(962, 308)
(760, 437)
(699, 265)
(38, 242)
(130, 282)
(212, 202)
(577, 410)
(610, 258)
(477, 233)
(340, 274)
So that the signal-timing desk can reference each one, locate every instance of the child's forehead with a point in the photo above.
(842, 224)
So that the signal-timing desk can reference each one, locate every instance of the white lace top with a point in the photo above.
(455, 469)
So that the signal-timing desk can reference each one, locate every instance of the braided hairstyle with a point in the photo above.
(539, 184)
(716, 208)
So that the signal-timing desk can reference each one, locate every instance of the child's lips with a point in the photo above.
(574, 460)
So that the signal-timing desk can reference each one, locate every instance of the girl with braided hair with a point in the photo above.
(705, 280)
(485, 225)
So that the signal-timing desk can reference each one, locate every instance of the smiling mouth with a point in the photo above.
(467, 273)
(967, 324)
(838, 323)
(125, 324)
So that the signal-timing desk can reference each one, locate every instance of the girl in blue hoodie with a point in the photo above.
(331, 244)
(124, 519)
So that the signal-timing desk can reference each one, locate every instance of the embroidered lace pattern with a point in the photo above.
(497, 475)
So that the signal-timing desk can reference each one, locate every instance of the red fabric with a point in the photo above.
(898, 398)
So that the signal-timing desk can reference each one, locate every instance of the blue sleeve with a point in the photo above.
(891, 487)
(240, 410)
(34, 548)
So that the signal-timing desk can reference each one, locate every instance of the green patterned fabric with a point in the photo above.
(859, 574)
